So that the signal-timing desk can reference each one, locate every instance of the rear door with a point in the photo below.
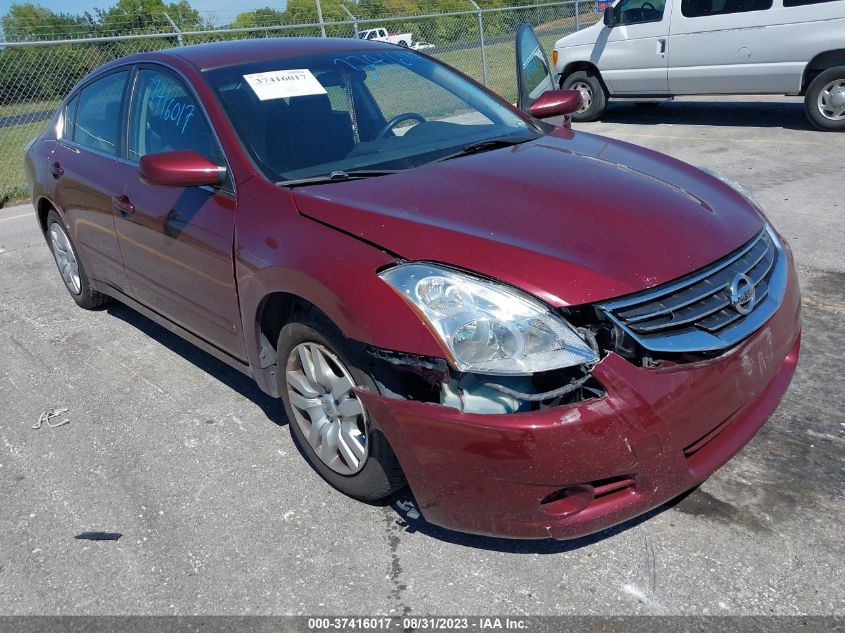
(177, 242)
(632, 55)
(83, 166)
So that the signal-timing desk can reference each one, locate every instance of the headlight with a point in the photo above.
(486, 327)
(733, 184)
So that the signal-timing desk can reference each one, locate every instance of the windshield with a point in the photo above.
(315, 115)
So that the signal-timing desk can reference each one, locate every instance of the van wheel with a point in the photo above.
(329, 423)
(824, 102)
(593, 96)
(70, 266)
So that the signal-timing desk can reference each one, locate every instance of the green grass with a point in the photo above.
(12, 176)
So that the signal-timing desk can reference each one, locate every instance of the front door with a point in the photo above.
(632, 55)
(177, 242)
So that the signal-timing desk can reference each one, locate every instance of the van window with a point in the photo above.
(639, 11)
(701, 8)
(801, 3)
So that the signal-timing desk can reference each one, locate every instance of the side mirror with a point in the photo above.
(183, 168)
(609, 17)
(556, 103)
(533, 73)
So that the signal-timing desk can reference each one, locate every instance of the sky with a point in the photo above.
(221, 7)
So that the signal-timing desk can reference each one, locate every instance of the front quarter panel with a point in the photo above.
(278, 250)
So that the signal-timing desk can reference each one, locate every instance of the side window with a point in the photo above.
(70, 118)
(701, 8)
(640, 11)
(165, 117)
(98, 113)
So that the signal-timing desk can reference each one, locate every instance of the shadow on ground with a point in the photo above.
(711, 113)
(232, 378)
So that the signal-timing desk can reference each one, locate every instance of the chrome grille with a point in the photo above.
(703, 311)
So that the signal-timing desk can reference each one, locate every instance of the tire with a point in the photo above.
(824, 102)
(70, 266)
(403, 43)
(592, 93)
(378, 474)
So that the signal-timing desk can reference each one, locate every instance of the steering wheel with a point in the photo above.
(399, 118)
(647, 5)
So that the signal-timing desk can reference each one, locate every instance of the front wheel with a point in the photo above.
(824, 102)
(593, 96)
(329, 423)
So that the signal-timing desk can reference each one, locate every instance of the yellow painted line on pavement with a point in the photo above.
(15, 217)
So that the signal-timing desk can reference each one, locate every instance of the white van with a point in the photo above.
(647, 50)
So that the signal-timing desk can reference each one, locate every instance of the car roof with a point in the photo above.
(236, 52)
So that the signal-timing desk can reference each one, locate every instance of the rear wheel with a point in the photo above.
(824, 102)
(69, 265)
(328, 422)
(593, 96)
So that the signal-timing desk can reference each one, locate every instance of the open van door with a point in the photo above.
(536, 94)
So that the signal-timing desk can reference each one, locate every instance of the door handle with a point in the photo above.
(56, 169)
(661, 46)
(124, 205)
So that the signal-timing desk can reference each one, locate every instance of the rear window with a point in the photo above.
(701, 8)
(98, 113)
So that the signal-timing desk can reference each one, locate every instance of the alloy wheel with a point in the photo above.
(328, 412)
(65, 258)
(831, 101)
(586, 94)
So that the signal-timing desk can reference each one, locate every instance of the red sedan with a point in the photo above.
(543, 332)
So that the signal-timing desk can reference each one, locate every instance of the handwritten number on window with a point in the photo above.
(169, 108)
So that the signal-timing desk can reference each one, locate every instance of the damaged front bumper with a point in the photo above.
(568, 471)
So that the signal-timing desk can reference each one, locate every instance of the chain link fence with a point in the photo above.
(36, 75)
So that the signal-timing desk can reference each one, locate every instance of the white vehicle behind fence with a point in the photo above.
(383, 35)
(648, 50)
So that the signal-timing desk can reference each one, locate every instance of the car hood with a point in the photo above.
(570, 217)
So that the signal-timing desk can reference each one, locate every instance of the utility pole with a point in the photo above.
(353, 18)
(179, 39)
(320, 18)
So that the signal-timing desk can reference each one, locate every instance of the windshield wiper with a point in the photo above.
(481, 146)
(338, 176)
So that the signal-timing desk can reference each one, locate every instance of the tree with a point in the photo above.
(259, 17)
(32, 22)
(146, 16)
